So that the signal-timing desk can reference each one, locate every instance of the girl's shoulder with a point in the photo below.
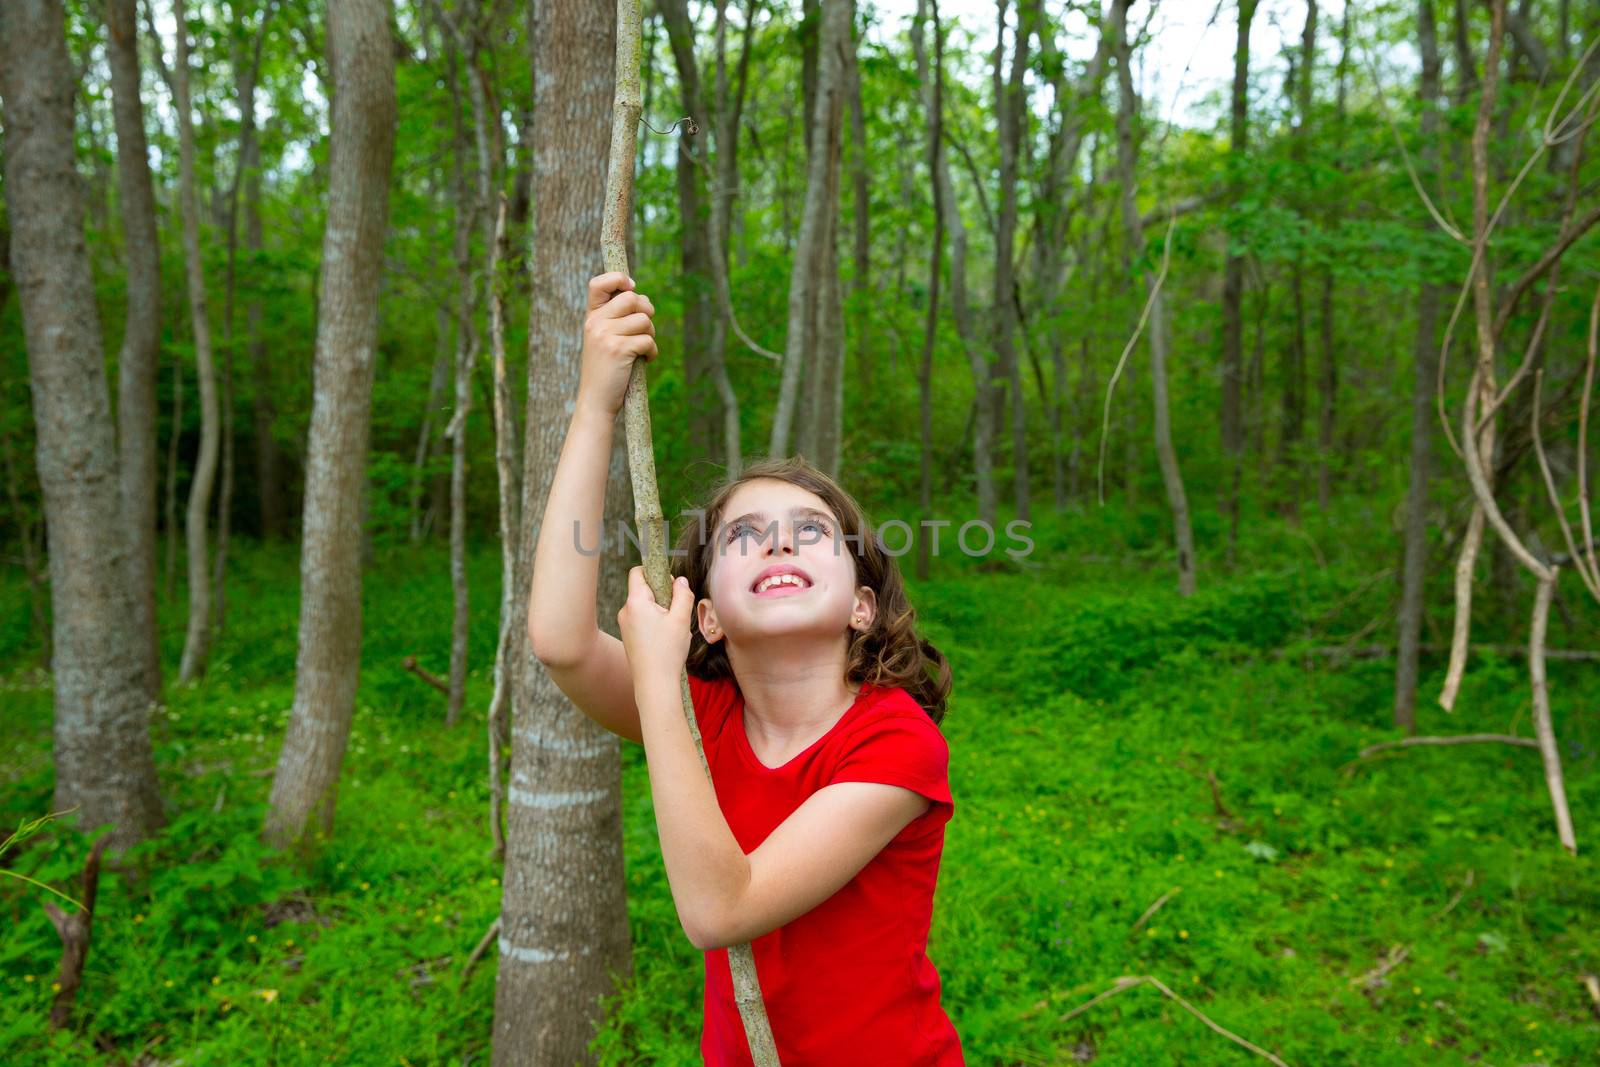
(894, 741)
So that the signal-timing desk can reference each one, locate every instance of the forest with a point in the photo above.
(1259, 337)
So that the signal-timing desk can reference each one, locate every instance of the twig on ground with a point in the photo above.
(1127, 982)
(74, 928)
(1152, 909)
(1592, 984)
(410, 664)
(1450, 739)
(1466, 884)
(483, 944)
(1374, 978)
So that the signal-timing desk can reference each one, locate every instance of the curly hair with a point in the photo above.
(888, 653)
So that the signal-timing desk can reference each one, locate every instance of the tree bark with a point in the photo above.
(1294, 370)
(983, 427)
(248, 74)
(465, 356)
(803, 342)
(861, 203)
(263, 409)
(1424, 369)
(361, 61)
(141, 335)
(931, 324)
(696, 281)
(1011, 110)
(436, 383)
(103, 759)
(197, 640)
(1233, 272)
(1133, 229)
(564, 916)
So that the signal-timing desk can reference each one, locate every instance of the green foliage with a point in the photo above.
(1089, 709)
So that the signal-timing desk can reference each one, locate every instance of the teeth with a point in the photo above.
(780, 579)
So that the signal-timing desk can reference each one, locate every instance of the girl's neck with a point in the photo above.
(787, 699)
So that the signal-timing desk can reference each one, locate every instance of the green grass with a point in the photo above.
(1090, 704)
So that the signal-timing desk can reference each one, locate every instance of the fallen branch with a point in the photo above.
(74, 930)
(483, 944)
(1383, 651)
(1466, 884)
(410, 664)
(1392, 959)
(1592, 984)
(1450, 739)
(1152, 909)
(1128, 982)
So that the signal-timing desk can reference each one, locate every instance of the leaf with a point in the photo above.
(1261, 851)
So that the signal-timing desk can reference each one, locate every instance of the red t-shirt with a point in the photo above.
(849, 982)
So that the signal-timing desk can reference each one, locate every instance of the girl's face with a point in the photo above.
(771, 527)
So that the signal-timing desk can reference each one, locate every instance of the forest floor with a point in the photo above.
(1114, 747)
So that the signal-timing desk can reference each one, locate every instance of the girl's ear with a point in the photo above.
(706, 621)
(865, 608)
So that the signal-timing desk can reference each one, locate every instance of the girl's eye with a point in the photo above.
(816, 524)
(737, 530)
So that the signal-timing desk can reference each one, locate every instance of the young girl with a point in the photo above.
(819, 835)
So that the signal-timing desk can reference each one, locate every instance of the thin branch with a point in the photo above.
(1449, 739)
(1128, 982)
(1152, 909)
(1127, 350)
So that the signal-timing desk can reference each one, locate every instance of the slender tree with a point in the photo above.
(803, 346)
(361, 63)
(197, 640)
(932, 141)
(1233, 272)
(696, 283)
(103, 759)
(1133, 234)
(141, 333)
(1011, 99)
(1424, 368)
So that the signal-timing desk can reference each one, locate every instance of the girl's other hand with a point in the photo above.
(617, 331)
(655, 639)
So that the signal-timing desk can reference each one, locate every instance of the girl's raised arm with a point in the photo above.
(588, 664)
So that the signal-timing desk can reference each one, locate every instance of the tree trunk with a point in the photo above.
(263, 410)
(1133, 229)
(248, 72)
(436, 382)
(1011, 109)
(1294, 371)
(361, 62)
(1425, 363)
(983, 429)
(197, 641)
(1233, 272)
(465, 357)
(934, 148)
(564, 916)
(170, 525)
(103, 759)
(730, 109)
(861, 198)
(811, 258)
(1330, 356)
(141, 336)
(696, 283)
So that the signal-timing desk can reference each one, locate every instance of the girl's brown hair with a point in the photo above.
(889, 653)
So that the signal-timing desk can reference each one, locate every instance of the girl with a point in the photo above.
(819, 835)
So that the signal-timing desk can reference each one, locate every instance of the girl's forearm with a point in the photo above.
(706, 868)
(566, 577)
